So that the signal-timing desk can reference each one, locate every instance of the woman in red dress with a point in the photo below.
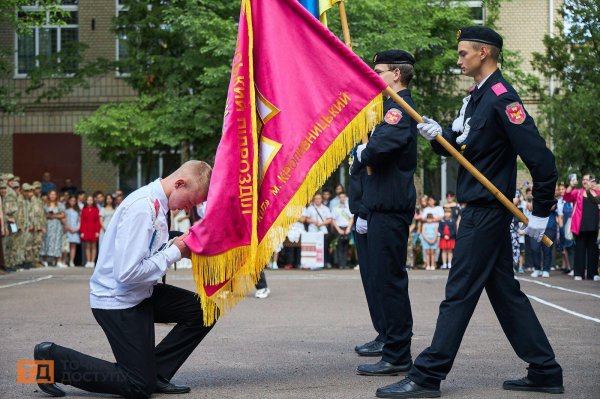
(90, 230)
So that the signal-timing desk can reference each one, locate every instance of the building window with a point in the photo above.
(50, 38)
(122, 49)
(477, 11)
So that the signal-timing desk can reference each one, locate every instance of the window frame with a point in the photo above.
(476, 4)
(119, 8)
(36, 35)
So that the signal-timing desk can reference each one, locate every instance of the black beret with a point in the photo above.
(393, 57)
(480, 34)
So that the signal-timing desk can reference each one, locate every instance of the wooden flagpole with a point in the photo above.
(348, 41)
(465, 163)
(345, 28)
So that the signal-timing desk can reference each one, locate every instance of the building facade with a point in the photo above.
(42, 139)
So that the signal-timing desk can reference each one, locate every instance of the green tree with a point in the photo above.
(427, 30)
(179, 61)
(571, 112)
(179, 56)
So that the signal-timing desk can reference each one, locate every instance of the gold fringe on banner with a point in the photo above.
(213, 270)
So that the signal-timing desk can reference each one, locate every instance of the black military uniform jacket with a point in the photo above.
(499, 130)
(392, 155)
(358, 174)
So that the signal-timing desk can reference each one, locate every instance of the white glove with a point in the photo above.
(536, 227)
(361, 226)
(359, 151)
(429, 129)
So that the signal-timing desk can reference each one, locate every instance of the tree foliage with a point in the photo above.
(571, 112)
(179, 56)
(427, 30)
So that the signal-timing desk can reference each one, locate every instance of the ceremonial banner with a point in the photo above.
(298, 101)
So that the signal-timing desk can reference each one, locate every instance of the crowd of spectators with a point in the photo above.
(72, 223)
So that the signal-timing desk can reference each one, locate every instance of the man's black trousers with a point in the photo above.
(130, 333)
(387, 241)
(367, 277)
(483, 259)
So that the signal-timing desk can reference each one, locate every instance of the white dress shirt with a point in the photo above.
(131, 258)
(321, 214)
(342, 216)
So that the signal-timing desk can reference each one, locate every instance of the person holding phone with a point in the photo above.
(584, 225)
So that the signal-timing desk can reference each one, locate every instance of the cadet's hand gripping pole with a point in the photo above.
(465, 163)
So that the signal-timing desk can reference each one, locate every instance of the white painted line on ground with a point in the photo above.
(35, 280)
(535, 298)
(557, 287)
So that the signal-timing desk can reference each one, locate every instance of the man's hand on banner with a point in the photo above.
(361, 226)
(536, 227)
(429, 129)
(359, 151)
(183, 248)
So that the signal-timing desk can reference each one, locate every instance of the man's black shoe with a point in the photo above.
(407, 389)
(357, 347)
(383, 368)
(525, 384)
(373, 348)
(42, 352)
(164, 386)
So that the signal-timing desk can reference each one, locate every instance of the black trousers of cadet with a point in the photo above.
(367, 276)
(586, 254)
(483, 259)
(388, 240)
(130, 333)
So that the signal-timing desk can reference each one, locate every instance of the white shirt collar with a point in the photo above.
(483, 81)
(159, 193)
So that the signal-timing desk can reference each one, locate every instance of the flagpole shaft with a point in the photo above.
(345, 28)
(465, 163)
(348, 41)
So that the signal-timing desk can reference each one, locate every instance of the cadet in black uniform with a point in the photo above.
(389, 196)
(358, 174)
(491, 130)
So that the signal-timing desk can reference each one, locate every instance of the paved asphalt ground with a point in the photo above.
(299, 342)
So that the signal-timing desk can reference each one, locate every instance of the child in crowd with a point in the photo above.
(447, 231)
(90, 230)
(72, 221)
(429, 241)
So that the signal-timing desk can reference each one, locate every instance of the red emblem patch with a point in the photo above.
(393, 116)
(515, 113)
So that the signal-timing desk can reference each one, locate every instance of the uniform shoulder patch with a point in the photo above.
(499, 89)
(393, 116)
(516, 113)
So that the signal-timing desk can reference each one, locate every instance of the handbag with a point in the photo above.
(568, 232)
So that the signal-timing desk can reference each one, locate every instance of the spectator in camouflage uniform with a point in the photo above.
(10, 212)
(28, 255)
(22, 225)
(38, 217)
